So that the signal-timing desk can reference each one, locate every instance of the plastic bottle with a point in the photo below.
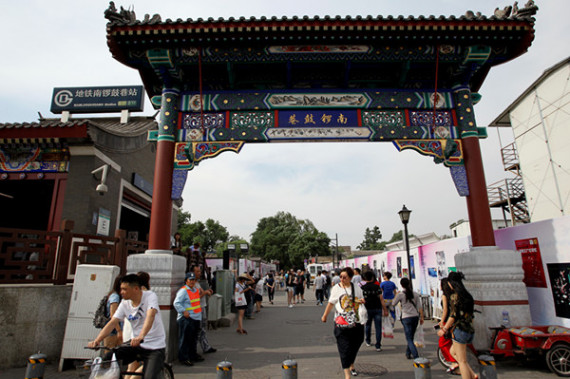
(506, 320)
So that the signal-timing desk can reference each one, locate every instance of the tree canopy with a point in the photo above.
(285, 238)
(372, 240)
(208, 234)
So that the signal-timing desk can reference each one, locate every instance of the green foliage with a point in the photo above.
(398, 236)
(207, 234)
(372, 240)
(285, 238)
(237, 241)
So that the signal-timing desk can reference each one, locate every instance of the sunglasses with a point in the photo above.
(344, 276)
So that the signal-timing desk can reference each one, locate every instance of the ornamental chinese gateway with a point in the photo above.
(413, 81)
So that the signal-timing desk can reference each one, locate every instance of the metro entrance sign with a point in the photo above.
(97, 99)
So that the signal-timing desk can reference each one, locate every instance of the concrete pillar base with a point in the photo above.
(166, 277)
(494, 278)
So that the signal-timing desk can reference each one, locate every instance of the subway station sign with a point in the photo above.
(97, 99)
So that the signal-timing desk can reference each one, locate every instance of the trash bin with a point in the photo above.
(36, 366)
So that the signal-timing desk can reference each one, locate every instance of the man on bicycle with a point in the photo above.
(148, 339)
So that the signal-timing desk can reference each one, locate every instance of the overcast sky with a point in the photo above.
(341, 187)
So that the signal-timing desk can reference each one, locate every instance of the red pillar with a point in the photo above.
(480, 220)
(161, 210)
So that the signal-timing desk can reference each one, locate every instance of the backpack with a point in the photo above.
(101, 319)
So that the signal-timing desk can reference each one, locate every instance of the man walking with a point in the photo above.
(374, 303)
(290, 284)
(187, 304)
(319, 292)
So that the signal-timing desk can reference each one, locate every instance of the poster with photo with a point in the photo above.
(399, 266)
(559, 274)
(412, 269)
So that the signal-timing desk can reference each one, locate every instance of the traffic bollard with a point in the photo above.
(488, 369)
(289, 369)
(422, 368)
(36, 366)
(224, 370)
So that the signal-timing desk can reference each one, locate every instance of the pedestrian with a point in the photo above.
(258, 296)
(187, 304)
(412, 313)
(308, 279)
(113, 300)
(241, 288)
(374, 303)
(345, 298)
(300, 287)
(445, 341)
(460, 323)
(290, 285)
(318, 285)
(204, 294)
(389, 291)
(327, 285)
(270, 283)
(250, 295)
(356, 279)
(335, 279)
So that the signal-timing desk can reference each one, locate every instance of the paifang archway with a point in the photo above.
(411, 81)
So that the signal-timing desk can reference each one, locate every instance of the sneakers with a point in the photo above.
(368, 344)
(378, 349)
(210, 350)
(290, 305)
(353, 372)
(187, 363)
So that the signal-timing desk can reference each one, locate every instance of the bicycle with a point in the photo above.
(85, 369)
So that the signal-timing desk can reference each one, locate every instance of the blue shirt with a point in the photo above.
(182, 301)
(388, 288)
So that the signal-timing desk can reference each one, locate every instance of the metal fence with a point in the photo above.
(35, 256)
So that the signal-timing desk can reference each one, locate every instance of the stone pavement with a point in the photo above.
(279, 333)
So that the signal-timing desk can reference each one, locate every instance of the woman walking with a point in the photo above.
(242, 289)
(346, 298)
(412, 313)
(460, 323)
(445, 340)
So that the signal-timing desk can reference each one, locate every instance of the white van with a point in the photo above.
(313, 268)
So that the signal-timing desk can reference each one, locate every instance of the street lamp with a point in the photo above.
(405, 217)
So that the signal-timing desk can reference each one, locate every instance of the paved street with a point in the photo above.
(279, 332)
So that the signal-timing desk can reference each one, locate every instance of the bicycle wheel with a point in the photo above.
(166, 372)
(445, 363)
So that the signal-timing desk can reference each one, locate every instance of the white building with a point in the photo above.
(540, 120)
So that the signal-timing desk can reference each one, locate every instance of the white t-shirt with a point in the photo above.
(356, 279)
(156, 337)
(342, 299)
(259, 286)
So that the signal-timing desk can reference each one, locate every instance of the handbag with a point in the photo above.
(347, 319)
(240, 299)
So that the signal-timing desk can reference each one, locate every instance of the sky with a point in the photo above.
(343, 188)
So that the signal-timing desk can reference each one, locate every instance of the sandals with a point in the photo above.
(452, 370)
(241, 331)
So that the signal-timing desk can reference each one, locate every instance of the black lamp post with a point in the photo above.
(405, 217)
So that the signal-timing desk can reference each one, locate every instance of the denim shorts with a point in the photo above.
(460, 336)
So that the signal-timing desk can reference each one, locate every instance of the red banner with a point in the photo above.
(532, 262)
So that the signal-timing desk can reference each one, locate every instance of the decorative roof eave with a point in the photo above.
(50, 129)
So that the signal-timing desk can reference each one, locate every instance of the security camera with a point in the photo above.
(102, 187)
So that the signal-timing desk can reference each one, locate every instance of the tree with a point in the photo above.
(285, 238)
(207, 234)
(372, 240)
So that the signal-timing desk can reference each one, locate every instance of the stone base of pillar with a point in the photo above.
(166, 277)
(494, 278)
